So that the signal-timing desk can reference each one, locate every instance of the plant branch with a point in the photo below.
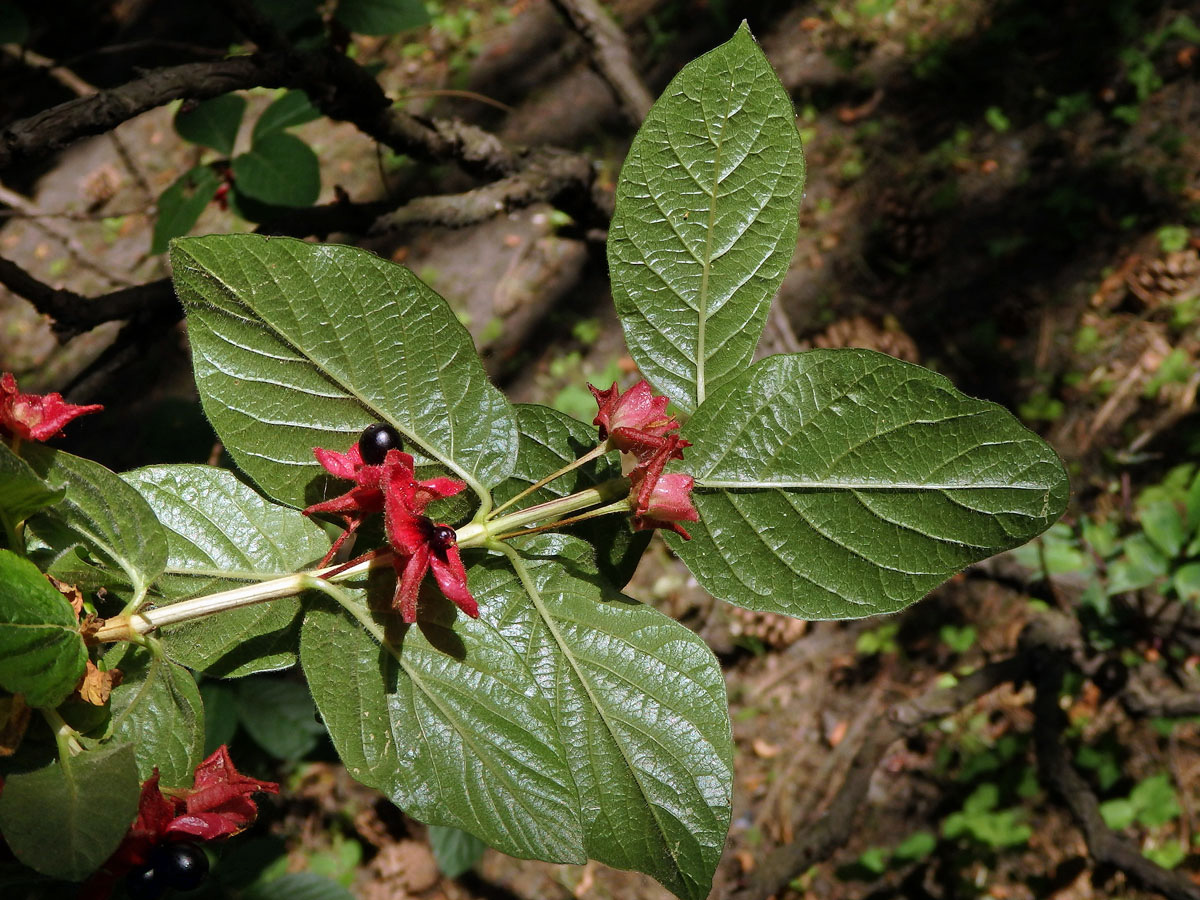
(574, 464)
(833, 829)
(610, 55)
(1104, 844)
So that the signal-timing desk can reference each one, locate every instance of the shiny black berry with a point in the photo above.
(443, 537)
(376, 441)
(145, 883)
(182, 866)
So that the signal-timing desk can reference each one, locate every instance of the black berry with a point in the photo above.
(145, 883)
(443, 537)
(182, 866)
(376, 441)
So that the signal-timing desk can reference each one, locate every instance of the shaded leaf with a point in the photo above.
(289, 109)
(641, 707)
(705, 221)
(180, 205)
(381, 17)
(548, 441)
(455, 850)
(102, 514)
(22, 492)
(221, 534)
(279, 715)
(845, 483)
(212, 123)
(64, 820)
(157, 709)
(297, 886)
(220, 714)
(449, 724)
(279, 169)
(41, 653)
(301, 345)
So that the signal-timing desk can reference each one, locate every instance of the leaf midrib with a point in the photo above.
(420, 439)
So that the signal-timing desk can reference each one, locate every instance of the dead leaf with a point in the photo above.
(14, 719)
(96, 685)
(745, 860)
(838, 733)
(764, 749)
(73, 594)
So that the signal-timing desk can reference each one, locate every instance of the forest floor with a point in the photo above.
(1007, 192)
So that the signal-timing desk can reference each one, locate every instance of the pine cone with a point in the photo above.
(859, 331)
(1160, 282)
(775, 630)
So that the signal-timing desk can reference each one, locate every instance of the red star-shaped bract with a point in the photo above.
(636, 421)
(420, 545)
(218, 805)
(35, 417)
(663, 502)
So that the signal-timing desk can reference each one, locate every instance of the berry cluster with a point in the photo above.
(180, 866)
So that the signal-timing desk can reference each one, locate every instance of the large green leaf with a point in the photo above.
(291, 108)
(641, 708)
(302, 345)
(157, 708)
(381, 16)
(104, 516)
(705, 221)
(220, 534)
(41, 653)
(454, 850)
(549, 440)
(279, 715)
(448, 723)
(279, 169)
(64, 820)
(212, 123)
(844, 483)
(22, 492)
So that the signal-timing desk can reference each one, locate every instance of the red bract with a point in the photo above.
(420, 545)
(217, 806)
(663, 502)
(35, 417)
(634, 422)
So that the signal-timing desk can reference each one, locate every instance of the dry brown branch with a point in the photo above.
(1044, 640)
(832, 830)
(610, 55)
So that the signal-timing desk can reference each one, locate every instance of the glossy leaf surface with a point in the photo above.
(102, 514)
(705, 221)
(65, 819)
(157, 709)
(447, 722)
(221, 534)
(845, 483)
(641, 706)
(299, 346)
(41, 653)
(22, 492)
(455, 850)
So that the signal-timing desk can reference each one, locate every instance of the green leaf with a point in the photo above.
(1163, 523)
(845, 483)
(22, 493)
(297, 886)
(280, 716)
(455, 851)
(449, 724)
(302, 345)
(66, 819)
(279, 169)
(1186, 581)
(212, 123)
(549, 440)
(1118, 813)
(104, 515)
(180, 205)
(289, 15)
(221, 534)
(705, 221)
(220, 714)
(289, 109)
(1155, 801)
(41, 653)
(157, 708)
(641, 707)
(381, 16)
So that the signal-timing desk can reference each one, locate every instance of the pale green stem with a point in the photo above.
(65, 736)
(620, 506)
(131, 626)
(583, 460)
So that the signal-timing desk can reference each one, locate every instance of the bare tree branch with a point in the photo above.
(833, 829)
(1044, 639)
(610, 55)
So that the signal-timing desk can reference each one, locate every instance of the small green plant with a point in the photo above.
(981, 821)
(1150, 804)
